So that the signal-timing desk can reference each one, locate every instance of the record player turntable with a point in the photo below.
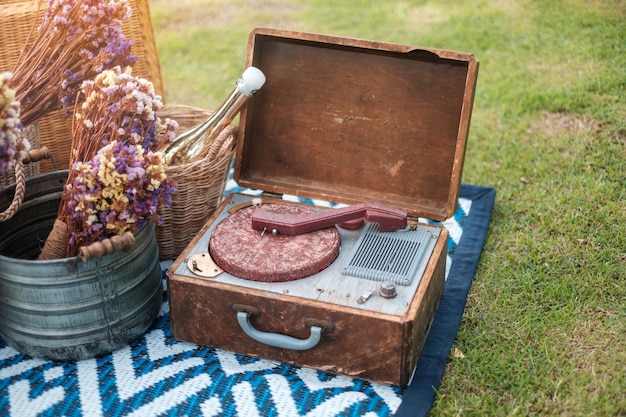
(380, 130)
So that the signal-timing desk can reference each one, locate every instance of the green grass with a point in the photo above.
(544, 331)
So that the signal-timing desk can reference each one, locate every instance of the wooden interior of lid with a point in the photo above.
(349, 120)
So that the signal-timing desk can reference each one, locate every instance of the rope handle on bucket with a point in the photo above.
(33, 155)
(106, 246)
(18, 197)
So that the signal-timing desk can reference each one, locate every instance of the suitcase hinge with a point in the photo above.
(269, 194)
(412, 220)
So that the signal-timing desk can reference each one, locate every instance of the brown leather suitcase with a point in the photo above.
(347, 121)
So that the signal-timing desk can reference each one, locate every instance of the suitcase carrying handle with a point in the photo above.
(276, 339)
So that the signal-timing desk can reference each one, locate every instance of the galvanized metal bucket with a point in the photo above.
(67, 309)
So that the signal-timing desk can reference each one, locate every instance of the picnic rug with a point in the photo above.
(157, 375)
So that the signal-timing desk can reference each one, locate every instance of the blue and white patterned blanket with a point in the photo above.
(159, 376)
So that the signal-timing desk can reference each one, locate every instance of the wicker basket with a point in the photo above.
(17, 19)
(200, 185)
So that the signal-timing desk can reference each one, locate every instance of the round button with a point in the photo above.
(387, 289)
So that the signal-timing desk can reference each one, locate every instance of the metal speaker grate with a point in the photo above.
(388, 256)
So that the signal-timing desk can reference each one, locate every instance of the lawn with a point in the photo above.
(544, 330)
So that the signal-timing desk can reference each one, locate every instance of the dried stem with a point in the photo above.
(76, 40)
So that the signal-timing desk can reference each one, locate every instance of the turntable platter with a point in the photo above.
(246, 253)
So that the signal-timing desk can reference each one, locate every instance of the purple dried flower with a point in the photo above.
(122, 182)
(76, 40)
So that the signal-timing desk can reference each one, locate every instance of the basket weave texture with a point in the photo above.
(18, 18)
(200, 184)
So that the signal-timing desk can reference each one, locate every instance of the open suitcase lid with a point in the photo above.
(350, 120)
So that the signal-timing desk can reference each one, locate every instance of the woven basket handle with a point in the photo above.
(106, 246)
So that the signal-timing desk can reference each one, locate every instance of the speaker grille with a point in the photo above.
(388, 256)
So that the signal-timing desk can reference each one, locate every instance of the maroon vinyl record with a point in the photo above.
(249, 254)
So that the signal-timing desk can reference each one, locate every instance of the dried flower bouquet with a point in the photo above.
(117, 178)
(78, 61)
(76, 40)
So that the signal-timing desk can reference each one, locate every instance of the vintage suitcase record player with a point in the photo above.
(378, 128)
